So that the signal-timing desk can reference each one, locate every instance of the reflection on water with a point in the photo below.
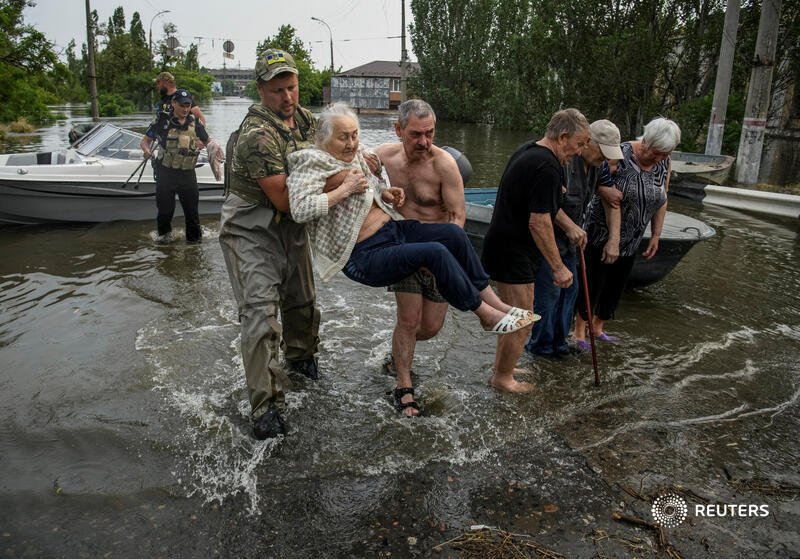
(121, 379)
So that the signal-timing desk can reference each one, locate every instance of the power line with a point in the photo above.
(238, 39)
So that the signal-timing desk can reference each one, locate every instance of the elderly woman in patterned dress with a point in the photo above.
(640, 185)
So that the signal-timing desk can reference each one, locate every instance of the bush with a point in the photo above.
(199, 84)
(20, 98)
(21, 125)
(111, 104)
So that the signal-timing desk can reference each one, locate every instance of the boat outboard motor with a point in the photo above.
(464, 166)
(78, 131)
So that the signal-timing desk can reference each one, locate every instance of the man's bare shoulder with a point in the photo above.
(443, 162)
(387, 151)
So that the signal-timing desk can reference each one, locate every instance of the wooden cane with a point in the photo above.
(589, 314)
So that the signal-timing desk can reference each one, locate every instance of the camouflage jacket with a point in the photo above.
(262, 148)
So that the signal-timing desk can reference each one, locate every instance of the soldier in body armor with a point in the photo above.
(165, 84)
(265, 251)
(180, 138)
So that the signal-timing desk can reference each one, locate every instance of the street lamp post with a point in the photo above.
(150, 45)
(330, 34)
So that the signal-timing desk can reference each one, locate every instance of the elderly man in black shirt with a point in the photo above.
(556, 306)
(521, 235)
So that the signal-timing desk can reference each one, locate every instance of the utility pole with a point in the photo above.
(722, 87)
(403, 55)
(751, 142)
(90, 56)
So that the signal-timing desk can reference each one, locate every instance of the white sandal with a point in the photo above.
(524, 313)
(509, 323)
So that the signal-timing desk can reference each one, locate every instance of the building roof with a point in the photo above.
(379, 69)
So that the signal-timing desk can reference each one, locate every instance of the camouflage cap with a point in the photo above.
(272, 62)
(165, 77)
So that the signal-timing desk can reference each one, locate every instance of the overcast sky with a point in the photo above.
(360, 28)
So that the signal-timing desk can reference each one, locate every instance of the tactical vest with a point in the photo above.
(288, 141)
(181, 149)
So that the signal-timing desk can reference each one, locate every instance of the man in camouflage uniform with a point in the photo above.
(266, 252)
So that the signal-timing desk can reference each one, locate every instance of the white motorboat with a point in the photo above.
(101, 177)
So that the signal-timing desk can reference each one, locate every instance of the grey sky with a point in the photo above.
(360, 28)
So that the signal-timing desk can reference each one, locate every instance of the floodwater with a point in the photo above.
(124, 420)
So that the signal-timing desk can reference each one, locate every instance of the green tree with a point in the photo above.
(456, 67)
(124, 66)
(125, 69)
(22, 46)
(286, 39)
(116, 23)
(138, 37)
(169, 56)
(67, 81)
(228, 87)
(513, 63)
(191, 60)
(309, 78)
(25, 54)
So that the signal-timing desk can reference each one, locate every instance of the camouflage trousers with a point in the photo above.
(269, 266)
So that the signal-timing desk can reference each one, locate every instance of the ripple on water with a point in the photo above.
(344, 423)
(343, 429)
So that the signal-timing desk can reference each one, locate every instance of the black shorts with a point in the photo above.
(421, 282)
(508, 263)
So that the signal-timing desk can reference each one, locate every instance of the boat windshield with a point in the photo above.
(108, 140)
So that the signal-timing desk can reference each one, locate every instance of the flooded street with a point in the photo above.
(124, 426)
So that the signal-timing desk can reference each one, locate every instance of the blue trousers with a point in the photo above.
(400, 248)
(556, 307)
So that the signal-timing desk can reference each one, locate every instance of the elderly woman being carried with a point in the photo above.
(354, 228)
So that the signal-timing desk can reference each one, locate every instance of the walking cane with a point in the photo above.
(589, 314)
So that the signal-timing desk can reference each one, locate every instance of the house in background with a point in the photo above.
(375, 85)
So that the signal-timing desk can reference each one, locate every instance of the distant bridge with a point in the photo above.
(238, 76)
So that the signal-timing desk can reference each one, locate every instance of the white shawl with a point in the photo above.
(332, 231)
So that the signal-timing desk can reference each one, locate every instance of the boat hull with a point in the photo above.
(679, 234)
(101, 178)
(700, 168)
(36, 202)
(96, 195)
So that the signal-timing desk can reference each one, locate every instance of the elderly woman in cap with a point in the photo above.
(353, 228)
(642, 181)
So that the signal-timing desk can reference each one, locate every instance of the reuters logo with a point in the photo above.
(669, 510)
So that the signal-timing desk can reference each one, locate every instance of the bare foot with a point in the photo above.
(511, 385)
